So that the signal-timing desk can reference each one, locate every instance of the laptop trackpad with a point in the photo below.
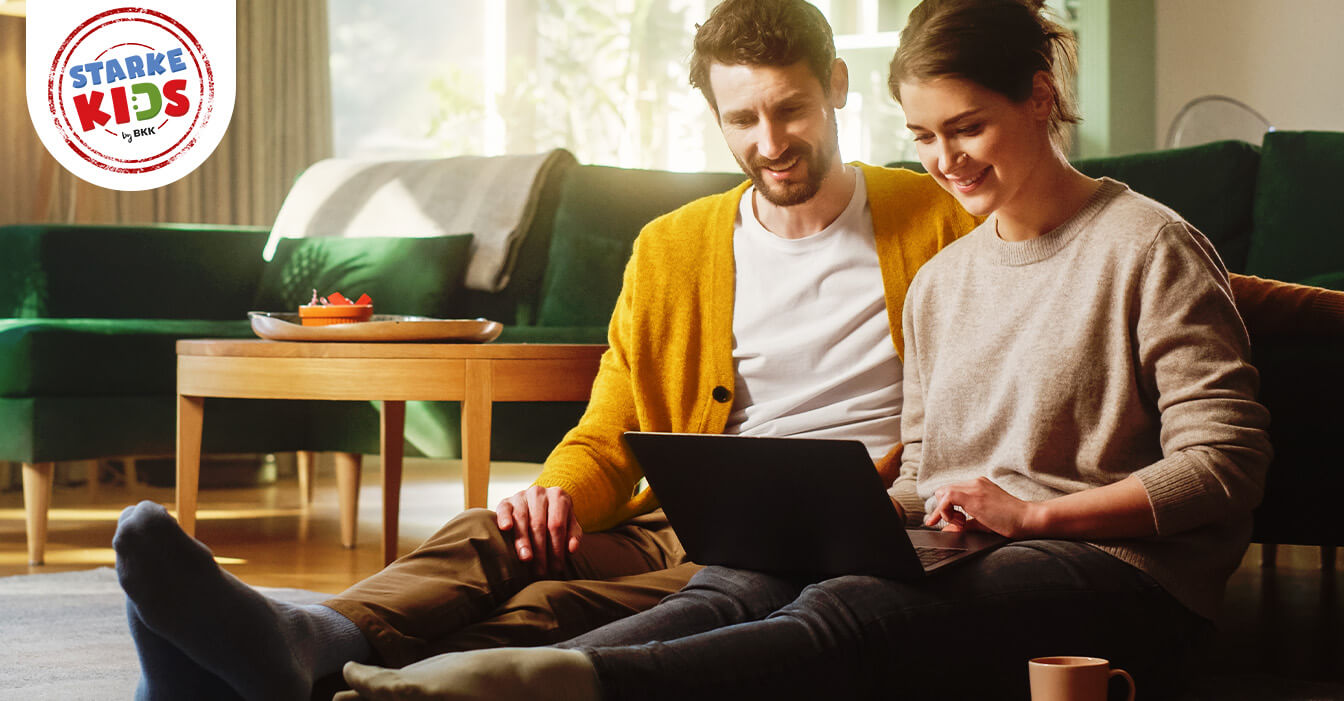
(952, 547)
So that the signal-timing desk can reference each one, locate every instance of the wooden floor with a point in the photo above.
(1281, 623)
(264, 535)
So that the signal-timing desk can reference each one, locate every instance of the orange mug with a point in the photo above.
(1073, 678)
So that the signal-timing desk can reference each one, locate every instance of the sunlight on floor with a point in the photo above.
(86, 556)
(95, 514)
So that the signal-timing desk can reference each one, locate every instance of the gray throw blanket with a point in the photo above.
(494, 198)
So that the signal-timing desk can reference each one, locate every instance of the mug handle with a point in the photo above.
(1128, 679)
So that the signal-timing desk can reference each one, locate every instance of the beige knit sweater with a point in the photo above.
(1107, 347)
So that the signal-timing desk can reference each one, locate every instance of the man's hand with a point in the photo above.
(544, 528)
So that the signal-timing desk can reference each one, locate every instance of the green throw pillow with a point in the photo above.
(418, 276)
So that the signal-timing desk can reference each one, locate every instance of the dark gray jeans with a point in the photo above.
(963, 633)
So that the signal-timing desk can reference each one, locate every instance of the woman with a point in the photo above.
(1076, 378)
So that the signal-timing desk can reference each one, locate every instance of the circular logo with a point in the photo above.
(130, 89)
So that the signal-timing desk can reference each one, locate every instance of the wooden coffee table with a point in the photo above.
(475, 374)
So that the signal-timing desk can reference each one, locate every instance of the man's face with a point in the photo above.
(780, 125)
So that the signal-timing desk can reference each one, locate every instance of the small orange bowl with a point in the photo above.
(320, 315)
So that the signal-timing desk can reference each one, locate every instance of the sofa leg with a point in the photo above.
(347, 484)
(306, 459)
(1269, 555)
(36, 505)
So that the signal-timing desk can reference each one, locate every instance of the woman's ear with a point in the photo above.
(839, 93)
(1042, 95)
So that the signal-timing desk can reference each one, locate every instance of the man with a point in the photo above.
(773, 308)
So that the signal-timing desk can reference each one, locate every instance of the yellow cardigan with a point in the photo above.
(670, 364)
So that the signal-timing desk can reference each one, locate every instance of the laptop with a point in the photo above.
(790, 506)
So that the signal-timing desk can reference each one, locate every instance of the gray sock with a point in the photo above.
(500, 674)
(342, 640)
(260, 647)
(166, 674)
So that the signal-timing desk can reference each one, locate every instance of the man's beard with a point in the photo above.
(817, 162)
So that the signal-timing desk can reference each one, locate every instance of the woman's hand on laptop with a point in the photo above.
(545, 530)
(979, 505)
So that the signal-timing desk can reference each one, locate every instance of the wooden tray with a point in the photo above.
(390, 328)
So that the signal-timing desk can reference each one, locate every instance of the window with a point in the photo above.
(605, 79)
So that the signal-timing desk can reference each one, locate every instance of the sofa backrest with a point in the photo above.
(1297, 231)
(601, 211)
(162, 271)
(1211, 185)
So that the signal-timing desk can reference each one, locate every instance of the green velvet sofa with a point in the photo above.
(87, 361)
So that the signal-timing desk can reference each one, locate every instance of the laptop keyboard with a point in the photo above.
(931, 556)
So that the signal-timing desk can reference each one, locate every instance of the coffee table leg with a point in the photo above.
(476, 405)
(348, 468)
(190, 417)
(393, 448)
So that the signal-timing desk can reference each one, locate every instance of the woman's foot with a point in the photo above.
(502, 674)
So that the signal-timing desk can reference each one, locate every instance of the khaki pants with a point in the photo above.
(465, 588)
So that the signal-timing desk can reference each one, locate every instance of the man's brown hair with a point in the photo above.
(762, 33)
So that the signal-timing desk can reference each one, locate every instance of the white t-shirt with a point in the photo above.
(812, 349)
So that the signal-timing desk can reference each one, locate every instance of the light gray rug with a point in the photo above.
(63, 636)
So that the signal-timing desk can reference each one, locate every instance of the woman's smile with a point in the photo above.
(966, 185)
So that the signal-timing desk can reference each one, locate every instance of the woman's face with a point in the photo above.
(979, 145)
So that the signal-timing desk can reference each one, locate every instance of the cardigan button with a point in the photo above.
(721, 394)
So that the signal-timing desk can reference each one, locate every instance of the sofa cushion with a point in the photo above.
(1211, 185)
(38, 429)
(403, 275)
(601, 211)
(1296, 234)
(93, 357)
(596, 333)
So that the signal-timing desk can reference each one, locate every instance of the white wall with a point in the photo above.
(1285, 58)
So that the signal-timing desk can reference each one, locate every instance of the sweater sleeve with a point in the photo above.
(1193, 358)
(912, 419)
(592, 463)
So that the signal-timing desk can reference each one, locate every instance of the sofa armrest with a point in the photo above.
(1287, 311)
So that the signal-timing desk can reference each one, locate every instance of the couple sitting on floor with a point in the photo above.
(1069, 371)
